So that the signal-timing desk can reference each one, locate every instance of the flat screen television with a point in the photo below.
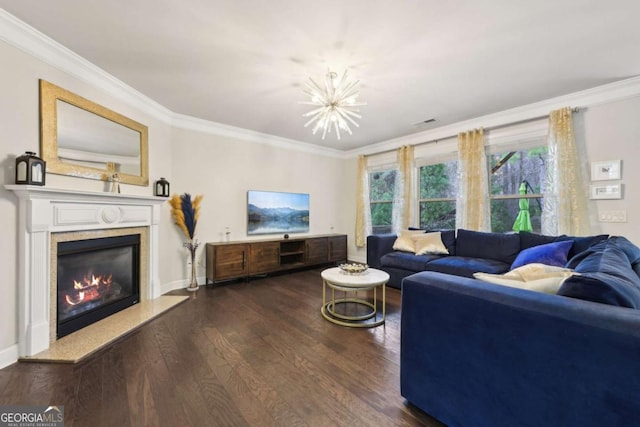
(270, 212)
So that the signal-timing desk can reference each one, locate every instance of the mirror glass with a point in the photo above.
(82, 138)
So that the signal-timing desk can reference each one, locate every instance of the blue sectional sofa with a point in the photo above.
(480, 354)
(469, 252)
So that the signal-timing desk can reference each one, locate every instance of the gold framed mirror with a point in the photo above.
(81, 138)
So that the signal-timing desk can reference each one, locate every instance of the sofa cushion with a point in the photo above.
(575, 260)
(466, 266)
(581, 244)
(636, 268)
(406, 261)
(597, 247)
(529, 240)
(534, 277)
(606, 277)
(631, 251)
(429, 243)
(550, 254)
(497, 246)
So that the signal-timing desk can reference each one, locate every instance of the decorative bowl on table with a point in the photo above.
(353, 268)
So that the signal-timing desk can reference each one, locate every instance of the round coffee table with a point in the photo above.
(338, 280)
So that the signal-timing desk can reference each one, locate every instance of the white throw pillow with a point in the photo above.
(404, 242)
(429, 243)
(534, 277)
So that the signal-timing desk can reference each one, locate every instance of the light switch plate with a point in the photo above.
(612, 216)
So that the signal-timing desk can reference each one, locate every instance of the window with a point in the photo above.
(438, 191)
(509, 171)
(381, 186)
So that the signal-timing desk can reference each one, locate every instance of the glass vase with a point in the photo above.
(193, 282)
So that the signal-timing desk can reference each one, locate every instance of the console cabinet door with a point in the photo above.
(229, 261)
(317, 251)
(264, 257)
(337, 248)
(242, 259)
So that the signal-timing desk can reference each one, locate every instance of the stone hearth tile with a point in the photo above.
(80, 344)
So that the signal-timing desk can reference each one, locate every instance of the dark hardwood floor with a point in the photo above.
(243, 354)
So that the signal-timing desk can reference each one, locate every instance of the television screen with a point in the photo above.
(272, 212)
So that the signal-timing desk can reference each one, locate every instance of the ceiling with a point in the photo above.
(244, 63)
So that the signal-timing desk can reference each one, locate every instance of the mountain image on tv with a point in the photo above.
(275, 212)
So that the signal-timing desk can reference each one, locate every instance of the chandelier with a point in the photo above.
(336, 104)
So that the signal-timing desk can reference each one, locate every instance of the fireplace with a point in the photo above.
(95, 278)
(48, 216)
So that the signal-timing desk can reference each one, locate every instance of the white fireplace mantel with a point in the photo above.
(43, 211)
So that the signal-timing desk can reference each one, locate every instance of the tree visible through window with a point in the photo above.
(438, 191)
(508, 171)
(381, 187)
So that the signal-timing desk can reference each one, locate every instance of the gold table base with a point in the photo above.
(328, 307)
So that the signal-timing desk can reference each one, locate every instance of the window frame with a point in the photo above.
(430, 161)
(380, 168)
(514, 146)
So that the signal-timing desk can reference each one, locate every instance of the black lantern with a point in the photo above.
(30, 169)
(162, 187)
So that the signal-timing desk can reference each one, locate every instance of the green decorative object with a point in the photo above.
(523, 220)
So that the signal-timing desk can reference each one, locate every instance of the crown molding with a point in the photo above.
(22, 36)
(611, 92)
(182, 121)
(31, 41)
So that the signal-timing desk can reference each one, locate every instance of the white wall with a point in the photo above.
(612, 132)
(220, 168)
(19, 125)
(224, 169)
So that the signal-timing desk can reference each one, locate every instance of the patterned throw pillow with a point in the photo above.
(404, 242)
(429, 243)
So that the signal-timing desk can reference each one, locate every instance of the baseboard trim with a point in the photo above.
(180, 284)
(358, 259)
(8, 356)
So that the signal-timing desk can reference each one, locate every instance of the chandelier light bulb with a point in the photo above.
(335, 104)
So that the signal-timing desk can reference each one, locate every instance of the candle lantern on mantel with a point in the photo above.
(30, 169)
(162, 187)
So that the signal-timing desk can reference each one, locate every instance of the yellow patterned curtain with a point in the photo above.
(472, 208)
(403, 211)
(363, 209)
(565, 209)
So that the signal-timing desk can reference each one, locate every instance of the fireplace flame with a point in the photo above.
(89, 289)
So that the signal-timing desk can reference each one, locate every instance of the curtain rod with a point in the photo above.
(573, 110)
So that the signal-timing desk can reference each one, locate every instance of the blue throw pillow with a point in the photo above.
(550, 254)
